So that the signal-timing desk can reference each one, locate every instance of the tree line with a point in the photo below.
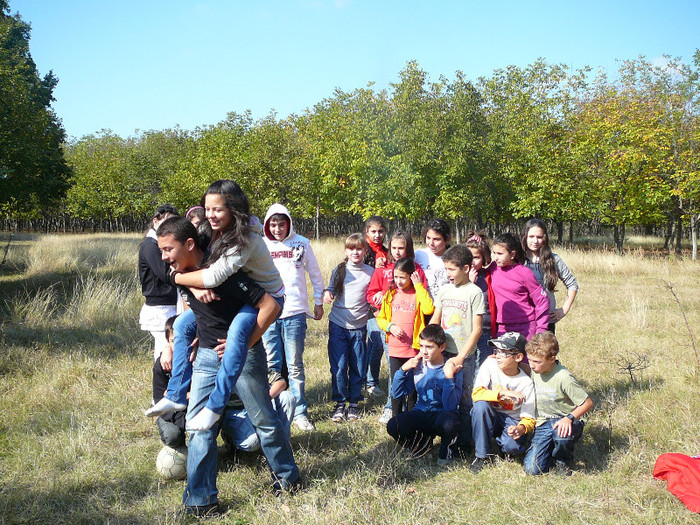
(568, 146)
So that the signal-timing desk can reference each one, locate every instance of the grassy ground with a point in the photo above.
(75, 378)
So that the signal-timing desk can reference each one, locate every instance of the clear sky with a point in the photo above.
(153, 64)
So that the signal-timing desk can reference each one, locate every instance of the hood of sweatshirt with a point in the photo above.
(274, 210)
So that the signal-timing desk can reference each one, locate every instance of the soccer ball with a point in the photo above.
(171, 463)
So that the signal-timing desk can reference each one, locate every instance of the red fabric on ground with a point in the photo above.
(682, 475)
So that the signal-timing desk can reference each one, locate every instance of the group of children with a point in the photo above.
(436, 313)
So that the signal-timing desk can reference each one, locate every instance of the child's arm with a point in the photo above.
(539, 299)
(277, 388)
(316, 278)
(427, 306)
(374, 290)
(564, 425)
(451, 389)
(403, 379)
(437, 315)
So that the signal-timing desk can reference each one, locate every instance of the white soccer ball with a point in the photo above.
(171, 463)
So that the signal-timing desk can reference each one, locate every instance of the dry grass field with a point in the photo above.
(75, 378)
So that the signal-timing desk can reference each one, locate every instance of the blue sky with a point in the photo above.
(153, 64)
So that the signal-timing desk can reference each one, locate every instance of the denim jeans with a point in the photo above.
(547, 446)
(237, 339)
(252, 388)
(376, 339)
(487, 422)
(346, 353)
(238, 431)
(416, 428)
(284, 339)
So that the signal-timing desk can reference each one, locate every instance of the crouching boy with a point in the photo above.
(504, 401)
(439, 390)
(560, 404)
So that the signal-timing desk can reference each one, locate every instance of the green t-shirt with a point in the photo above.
(459, 304)
(557, 393)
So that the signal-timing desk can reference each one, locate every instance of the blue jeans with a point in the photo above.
(375, 348)
(346, 353)
(547, 446)
(238, 431)
(252, 388)
(237, 340)
(284, 339)
(487, 422)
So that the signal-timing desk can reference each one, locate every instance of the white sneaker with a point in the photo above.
(303, 423)
(386, 416)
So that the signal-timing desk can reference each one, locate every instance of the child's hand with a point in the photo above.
(452, 366)
(564, 426)
(327, 297)
(516, 431)
(416, 278)
(397, 332)
(204, 295)
(557, 315)
(380, 262)
(513, 396)
(377, 299)
(318, 312)
(473, 274)
(219, 349)
(166, 358)
(411, 364)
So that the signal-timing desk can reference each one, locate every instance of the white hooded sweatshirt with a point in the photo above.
(293, 256)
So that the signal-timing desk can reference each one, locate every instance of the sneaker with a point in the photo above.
(303, 423)
(353, 412)
(387, 414)
(204, 511)
(339, 413)
(444, 462)
(375, 391)
(478, 465)
(563, 468)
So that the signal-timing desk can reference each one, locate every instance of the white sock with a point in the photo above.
(163, 407)
(204, 420)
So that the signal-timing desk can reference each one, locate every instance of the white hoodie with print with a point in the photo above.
(293, 257)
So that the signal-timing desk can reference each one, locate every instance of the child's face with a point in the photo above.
(218, 214)
(430, 351)
(541, 365)
(457, 275)
(196, 220)
(375, 233)
(279, 228)
(478, 259)
(508, 361)
(436, 242)
(398, 249)
(402, 280)
(502, 256)
(535, 239)
(171, 339)
(355, 255)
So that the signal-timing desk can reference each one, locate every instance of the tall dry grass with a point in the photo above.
(75, 377)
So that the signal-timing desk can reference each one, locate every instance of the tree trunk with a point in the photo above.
(560, 232)
(679, 235)
(619, 236)
(694, 234)
(571, 233)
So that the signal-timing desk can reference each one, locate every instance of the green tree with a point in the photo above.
(33, 172)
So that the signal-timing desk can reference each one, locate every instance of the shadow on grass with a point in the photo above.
(109, 501)
(603, 439)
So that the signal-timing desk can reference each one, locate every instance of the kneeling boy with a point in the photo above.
(439, 391)
(560, 404)
(504, 401)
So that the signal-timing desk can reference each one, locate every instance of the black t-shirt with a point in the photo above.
(214, 318)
